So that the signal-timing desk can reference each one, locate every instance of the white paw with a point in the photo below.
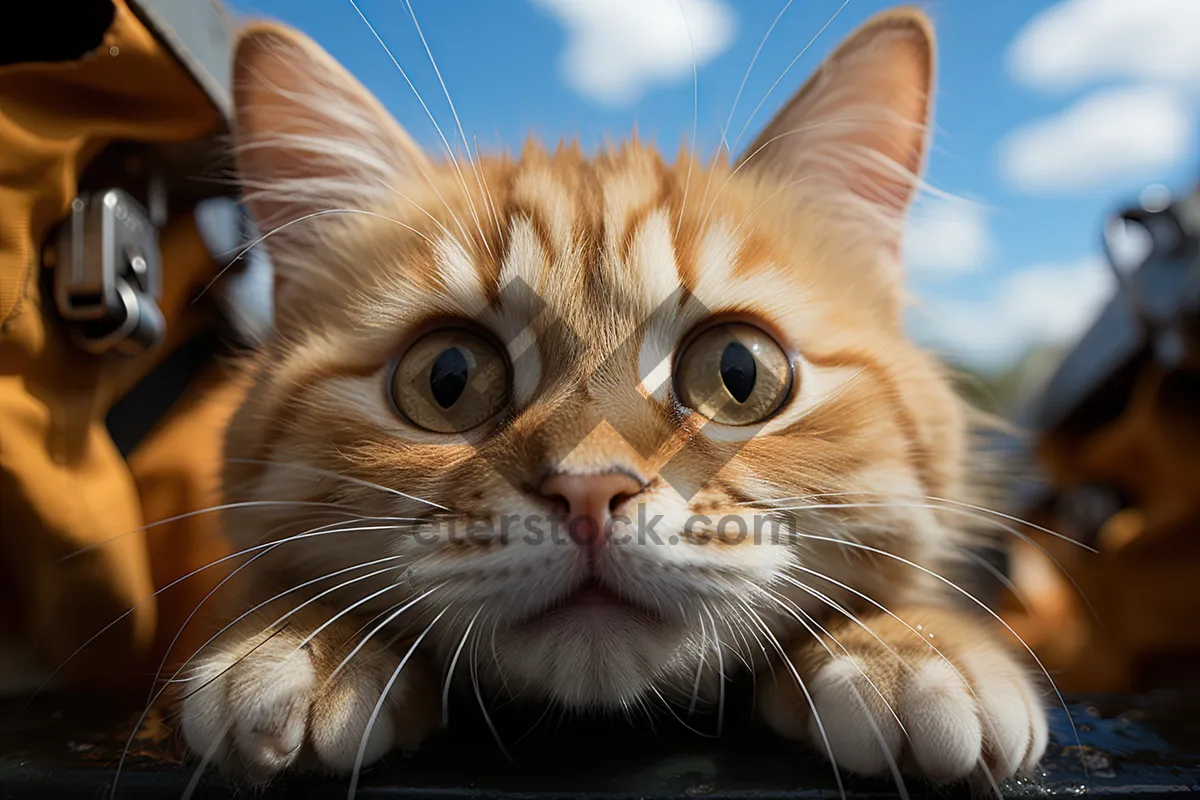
(932, 719)
(259, 712)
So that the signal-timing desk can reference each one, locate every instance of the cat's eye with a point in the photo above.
(450, 381)
(734, 374)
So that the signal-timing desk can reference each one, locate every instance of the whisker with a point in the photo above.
(1001, 578)
(829, 601)
(700, 662)
(489, 200)
(724, 142)
(794, 610)
(746, 219)
(453, 664)
(670, 710)
(426, 212)
(1062, 701)
(787, 69)
(742, 164)
(362, 746)
(720, 670)
(535, 725)
(972, 512)
(188, 576)
(744, 657)
(235, 572)
(437, 127)
(239, 660)
(194, 783)
(321, 213)
(356, 604)
(787, 661)
(959, 503)
(381, 626)
(487, 718)
(893, 767)
(695, 115)
(916, 633)
(218, 740)
(453, 111)
(339, 476)
(496, 658)
(742, 86)
(428, 113)
(209, 510)
(371, 622)
(155, 694)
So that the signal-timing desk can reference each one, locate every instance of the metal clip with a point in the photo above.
(108, 274)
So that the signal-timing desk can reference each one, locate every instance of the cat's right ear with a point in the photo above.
(309, 138)
(857, 132)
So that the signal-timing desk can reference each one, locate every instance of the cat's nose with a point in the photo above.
(591, 502)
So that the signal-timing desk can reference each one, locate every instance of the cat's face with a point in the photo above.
(565, 390)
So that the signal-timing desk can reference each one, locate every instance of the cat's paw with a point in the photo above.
(270, 704)
(943, 713)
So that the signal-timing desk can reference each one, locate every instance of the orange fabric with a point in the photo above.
(63, 484)
(1125, 627)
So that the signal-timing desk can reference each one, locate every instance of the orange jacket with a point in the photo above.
(63, 484)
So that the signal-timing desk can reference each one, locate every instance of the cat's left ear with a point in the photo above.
(311, 142)
(856, 133)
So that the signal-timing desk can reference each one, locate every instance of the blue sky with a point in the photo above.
(1049, 116)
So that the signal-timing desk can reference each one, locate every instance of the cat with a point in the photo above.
(522, 421)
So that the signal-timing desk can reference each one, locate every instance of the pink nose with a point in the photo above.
(591, 501)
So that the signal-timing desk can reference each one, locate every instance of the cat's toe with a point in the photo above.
(1013, 717)
(853, 724)
(278, 704)
(945, 733)
(983, 713)
(249, 715)
(873, 714)
(352, 721)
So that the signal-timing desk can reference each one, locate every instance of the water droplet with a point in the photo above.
(1155, 197)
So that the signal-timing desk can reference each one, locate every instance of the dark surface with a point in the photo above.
(1144, 747)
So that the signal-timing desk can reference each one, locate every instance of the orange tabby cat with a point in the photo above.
(543, 407)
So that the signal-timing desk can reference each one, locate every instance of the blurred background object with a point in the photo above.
(114, 333)
(1116, 432)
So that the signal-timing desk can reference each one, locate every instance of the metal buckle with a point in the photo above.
(108, 274)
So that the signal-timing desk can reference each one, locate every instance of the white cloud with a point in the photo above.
(1115, 134)
(1044, 304)
(616, 49)
(1079, 42)
(946, 237)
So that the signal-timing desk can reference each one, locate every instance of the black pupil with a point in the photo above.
(448, 377)
(738, 370)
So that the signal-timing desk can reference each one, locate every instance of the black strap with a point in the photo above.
(132, 418)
